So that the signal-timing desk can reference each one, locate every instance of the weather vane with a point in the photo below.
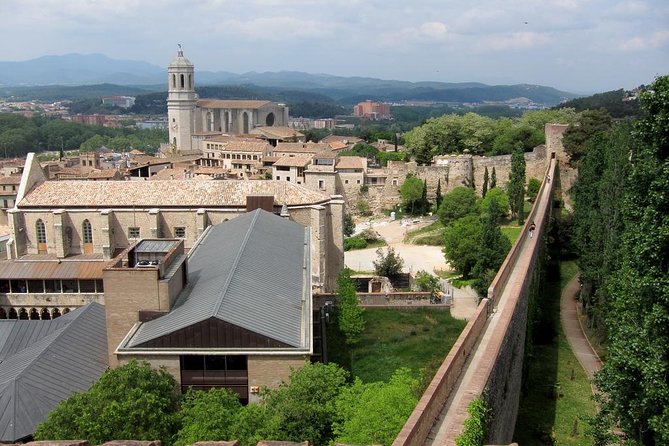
(179, 45)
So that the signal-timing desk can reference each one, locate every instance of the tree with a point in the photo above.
(349, 226)
(493, 178)
(515, 188)
(374, 413)
(424, 204)
(305, 405)
(634, 376)
(207, 416)
(438, 197)
(485, 182)
(589, 124)
(519, 135)
(132, 401)
(462, 243)
(533, 186)
(426, 281)
(494, 246)
(499, 196)
(411, 193)
(350, 315)
(456, 204)
(388, 264)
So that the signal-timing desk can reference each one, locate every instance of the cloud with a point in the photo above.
(423, 33)
(277, 28)
(513, 41)
(655, 40)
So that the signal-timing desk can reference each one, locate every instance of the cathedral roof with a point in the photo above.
(160, 194)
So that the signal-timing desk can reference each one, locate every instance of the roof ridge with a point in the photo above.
(235, 263)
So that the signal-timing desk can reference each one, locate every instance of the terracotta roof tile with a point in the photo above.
(293, 161)
(350, 162)
(176, 193)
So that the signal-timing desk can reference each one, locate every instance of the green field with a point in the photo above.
(416, 338)
(557, 398)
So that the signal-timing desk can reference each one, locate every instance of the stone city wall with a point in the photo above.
(450, 171)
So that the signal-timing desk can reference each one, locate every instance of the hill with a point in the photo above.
(78, 69)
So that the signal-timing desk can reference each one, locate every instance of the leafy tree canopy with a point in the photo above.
(374, 413)
(462, 242)
(456, 204)
(132, 401)
(589, 124)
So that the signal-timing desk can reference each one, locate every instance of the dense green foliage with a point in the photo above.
(502, 200)
(454, 134)
(207, 416)
(474, 430)
(129, 402)
(461, 244)
(621, 233)
(350, 315)
(456, 204)
(374, 413)
(426, 281)
(19, 135)
(614, 102)
(533, 186)
(515, 188)
(411, 192)
(492, 249)
(589, 124)
(634, 376)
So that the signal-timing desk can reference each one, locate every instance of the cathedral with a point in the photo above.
(192, 119)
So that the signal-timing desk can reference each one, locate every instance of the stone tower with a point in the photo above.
(181, 101)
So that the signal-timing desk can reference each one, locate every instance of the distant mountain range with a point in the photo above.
(91, 69)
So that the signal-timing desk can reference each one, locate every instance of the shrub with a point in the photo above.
(356, 242)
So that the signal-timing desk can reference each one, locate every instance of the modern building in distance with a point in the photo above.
(189, 115)
(372, 110)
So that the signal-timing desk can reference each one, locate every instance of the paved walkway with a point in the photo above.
(574, 332)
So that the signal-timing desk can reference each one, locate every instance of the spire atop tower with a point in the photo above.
(180, 53)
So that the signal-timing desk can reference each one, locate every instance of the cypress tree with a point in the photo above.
(485, 182)
(438, 197)
(424, 204)
(493, 178)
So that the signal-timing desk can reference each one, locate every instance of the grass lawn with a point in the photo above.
(416, 338)
(557, 398)
(511, 232)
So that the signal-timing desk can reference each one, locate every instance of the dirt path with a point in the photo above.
(416, 258)
(574, 332)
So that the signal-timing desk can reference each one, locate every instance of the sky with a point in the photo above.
(580, 46)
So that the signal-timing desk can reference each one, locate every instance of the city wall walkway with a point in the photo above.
(489, 352)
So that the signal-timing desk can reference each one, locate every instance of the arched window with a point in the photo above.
(190, 81)
(87, 231)
(174, 81)
(40, 230)
(183, 82)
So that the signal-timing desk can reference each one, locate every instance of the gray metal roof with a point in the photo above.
(253, 272)
(155, 245)
(63, 356)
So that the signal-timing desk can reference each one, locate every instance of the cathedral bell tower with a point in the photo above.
(181, 101)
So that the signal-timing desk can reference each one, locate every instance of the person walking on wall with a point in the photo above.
(532, 228)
